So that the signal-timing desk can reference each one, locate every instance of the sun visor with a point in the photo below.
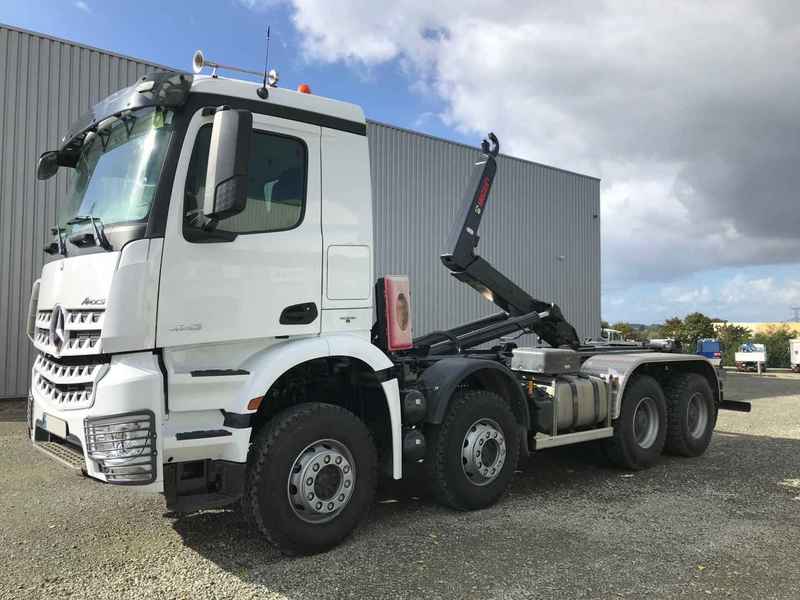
(158, 88)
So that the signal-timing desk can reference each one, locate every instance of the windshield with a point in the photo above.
(118, 168)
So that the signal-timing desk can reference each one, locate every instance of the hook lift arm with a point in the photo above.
(460, 258)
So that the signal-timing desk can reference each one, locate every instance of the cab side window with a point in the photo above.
(276, 194)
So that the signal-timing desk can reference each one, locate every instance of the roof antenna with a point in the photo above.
(263, 92)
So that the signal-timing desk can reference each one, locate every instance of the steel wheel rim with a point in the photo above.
(483, 452)
(697, 415)
(645, 422)
(321, 481)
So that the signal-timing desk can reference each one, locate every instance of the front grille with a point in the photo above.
(124, 447)
(67, 383)
(75, 332)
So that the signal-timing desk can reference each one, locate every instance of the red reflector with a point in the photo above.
(398, 312)
(484, 192)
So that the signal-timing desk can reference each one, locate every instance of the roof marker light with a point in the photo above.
(304, 88)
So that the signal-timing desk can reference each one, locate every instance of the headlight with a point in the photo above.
(123, 446)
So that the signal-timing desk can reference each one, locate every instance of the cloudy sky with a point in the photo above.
(689, 112)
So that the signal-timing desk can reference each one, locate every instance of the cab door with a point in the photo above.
(257, 274)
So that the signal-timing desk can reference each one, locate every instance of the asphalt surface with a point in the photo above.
(723, 525)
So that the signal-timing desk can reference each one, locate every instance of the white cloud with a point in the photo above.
(424, 118)
(688, 111)
(741, 289)
(259, 5)
(81, 5)
(690, 296)
(754, 294)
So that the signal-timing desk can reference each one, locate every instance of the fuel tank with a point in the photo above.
(567, 402)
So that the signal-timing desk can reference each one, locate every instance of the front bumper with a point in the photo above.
(130, 391)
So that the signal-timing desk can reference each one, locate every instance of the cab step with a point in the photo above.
(66, 454)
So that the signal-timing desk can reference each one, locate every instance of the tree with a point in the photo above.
(731, 337)
(672, 328)
(625, 329)
(695, 326)
(776, 339)
(650, 332)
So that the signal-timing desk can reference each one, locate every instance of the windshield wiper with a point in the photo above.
(99, 236)
(59, 247)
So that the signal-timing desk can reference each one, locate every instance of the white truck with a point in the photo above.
(614, 337)
(751, 357)
(209, 328)
(794, 355)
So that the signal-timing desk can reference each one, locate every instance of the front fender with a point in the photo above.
(268, 365)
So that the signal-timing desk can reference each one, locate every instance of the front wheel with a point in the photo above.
(641, 429)
(311, 477)
(473, 454)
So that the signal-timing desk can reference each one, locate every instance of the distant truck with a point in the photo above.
(751, 357)
(794, 355)
(665, 344)
(614, 337)
(711, 348)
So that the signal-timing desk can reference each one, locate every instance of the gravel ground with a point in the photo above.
(724, 525)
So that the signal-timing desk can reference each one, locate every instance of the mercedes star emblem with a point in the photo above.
(57, 334)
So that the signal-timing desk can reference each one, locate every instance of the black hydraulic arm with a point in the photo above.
(465, 265)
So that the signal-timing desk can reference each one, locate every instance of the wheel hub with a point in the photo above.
(483, 452)
(697, 414)
(321, 481)
(645, 422)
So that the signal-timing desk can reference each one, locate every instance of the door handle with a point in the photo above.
(299, 314)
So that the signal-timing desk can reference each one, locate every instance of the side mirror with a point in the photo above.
(47, 165)
(228, 159)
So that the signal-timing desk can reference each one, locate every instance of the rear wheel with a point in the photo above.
(311, 477)
(641, 429)
(692, 415)
(473, 454)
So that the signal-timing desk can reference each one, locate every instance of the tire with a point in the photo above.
(243, 508)
(289, 450)
(692, 415)
(477, 422)
(635, 445)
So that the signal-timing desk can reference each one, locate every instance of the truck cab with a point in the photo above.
(711, 349)
(158, 313)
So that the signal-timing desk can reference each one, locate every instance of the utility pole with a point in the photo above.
(796, 311)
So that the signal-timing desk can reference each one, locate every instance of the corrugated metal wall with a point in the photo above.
(542, 229)
(45, 84)
(537, 214)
